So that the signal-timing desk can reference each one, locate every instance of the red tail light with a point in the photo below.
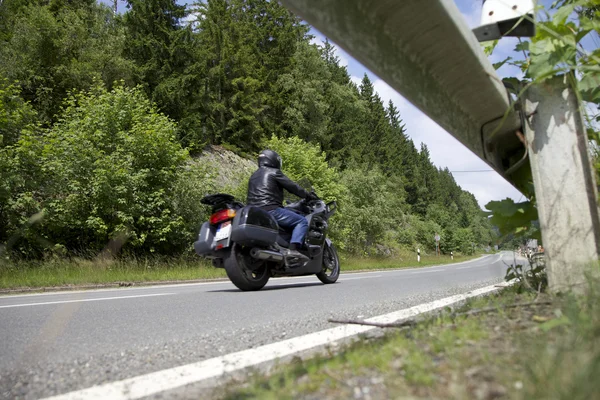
(222, 215)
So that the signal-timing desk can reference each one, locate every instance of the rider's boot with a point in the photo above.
(292, 254)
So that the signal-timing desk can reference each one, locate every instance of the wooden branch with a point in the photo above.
(516, 305)
(402, 324)
(411, 322)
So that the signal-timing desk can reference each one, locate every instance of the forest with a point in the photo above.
(104, 118)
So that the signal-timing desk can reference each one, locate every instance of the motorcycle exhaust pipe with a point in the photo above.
(266, 255)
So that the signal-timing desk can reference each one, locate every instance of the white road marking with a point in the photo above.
(160, 381)
(84, 300)
(428, 271)
(358, 277)
(227, 282)
(474, 266)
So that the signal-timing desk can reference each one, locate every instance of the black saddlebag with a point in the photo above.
(253, 226)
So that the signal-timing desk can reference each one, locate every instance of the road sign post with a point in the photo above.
(437, 244)
(565, 186)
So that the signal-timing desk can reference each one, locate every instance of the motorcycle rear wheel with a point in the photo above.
(331, 265)
(245, 272)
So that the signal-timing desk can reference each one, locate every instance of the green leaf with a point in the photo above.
(488, 47)
(522, 46)
(589, 24)
(499, 64)
(511, 217)
(553, 323)
(561, 15)
(589, 86)
(506, 207)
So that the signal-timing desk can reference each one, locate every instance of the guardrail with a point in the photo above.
(425, 51)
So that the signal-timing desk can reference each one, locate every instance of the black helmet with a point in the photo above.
(269, 158)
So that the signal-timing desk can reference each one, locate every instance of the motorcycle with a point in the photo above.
(247, 242)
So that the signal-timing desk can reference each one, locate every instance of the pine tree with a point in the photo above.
(247, 46)
(395, 146)
(166, 59)
(339, 74)
(52, 48)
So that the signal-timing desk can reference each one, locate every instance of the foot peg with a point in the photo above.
(294, 258)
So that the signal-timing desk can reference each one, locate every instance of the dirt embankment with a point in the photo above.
(231, 169)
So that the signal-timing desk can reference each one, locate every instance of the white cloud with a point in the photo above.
(190, 19)
(472, 14)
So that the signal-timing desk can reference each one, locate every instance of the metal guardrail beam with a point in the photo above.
(426, 52)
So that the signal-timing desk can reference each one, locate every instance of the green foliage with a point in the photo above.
(105, 171)
(513, 218)
(15, 114)
(49, 49)
(370, 211)
(193, 181)
(531, 278)
(244, 46)
(555, 50)
(166, 62)
(302, 160)
(227, 72)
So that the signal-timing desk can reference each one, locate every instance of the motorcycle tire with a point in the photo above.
(245, 272)
(331, 265)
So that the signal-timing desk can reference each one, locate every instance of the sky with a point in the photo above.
(445, 151)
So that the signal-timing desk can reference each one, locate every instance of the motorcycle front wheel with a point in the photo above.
(331, 265)
(245, 272)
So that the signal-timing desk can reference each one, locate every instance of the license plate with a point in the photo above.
(223, 231)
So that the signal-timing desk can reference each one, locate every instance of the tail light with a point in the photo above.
(222, 215)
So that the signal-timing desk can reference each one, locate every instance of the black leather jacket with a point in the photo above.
(265, 188)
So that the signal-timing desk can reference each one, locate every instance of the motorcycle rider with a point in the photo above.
(265, 190)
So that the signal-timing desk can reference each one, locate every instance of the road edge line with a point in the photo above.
(214, 368)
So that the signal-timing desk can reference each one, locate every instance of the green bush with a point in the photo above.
(302, 161)
(107, 169)
(15, 113)
(194, 181)
(372, 211)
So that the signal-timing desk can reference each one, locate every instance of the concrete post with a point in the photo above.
(565, 186)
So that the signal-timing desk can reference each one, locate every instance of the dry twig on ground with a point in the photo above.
(403, 324)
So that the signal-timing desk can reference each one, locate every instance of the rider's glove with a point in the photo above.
(312, 196)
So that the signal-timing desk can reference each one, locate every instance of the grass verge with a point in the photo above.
(76, 272)
(550, 350)
(365, 264)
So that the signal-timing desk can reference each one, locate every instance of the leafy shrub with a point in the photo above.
(194, 181)
(106, 169)
(372, 212)
(15, 114)
(303, 160)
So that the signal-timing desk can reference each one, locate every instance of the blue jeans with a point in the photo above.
(289, 220)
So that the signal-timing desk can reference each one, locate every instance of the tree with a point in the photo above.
(49, 49)
(306, 112)
(105, 171)
(167, 62)
(15, 114)
(247, 45)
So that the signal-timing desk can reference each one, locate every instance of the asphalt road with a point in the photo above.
(59, 342)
